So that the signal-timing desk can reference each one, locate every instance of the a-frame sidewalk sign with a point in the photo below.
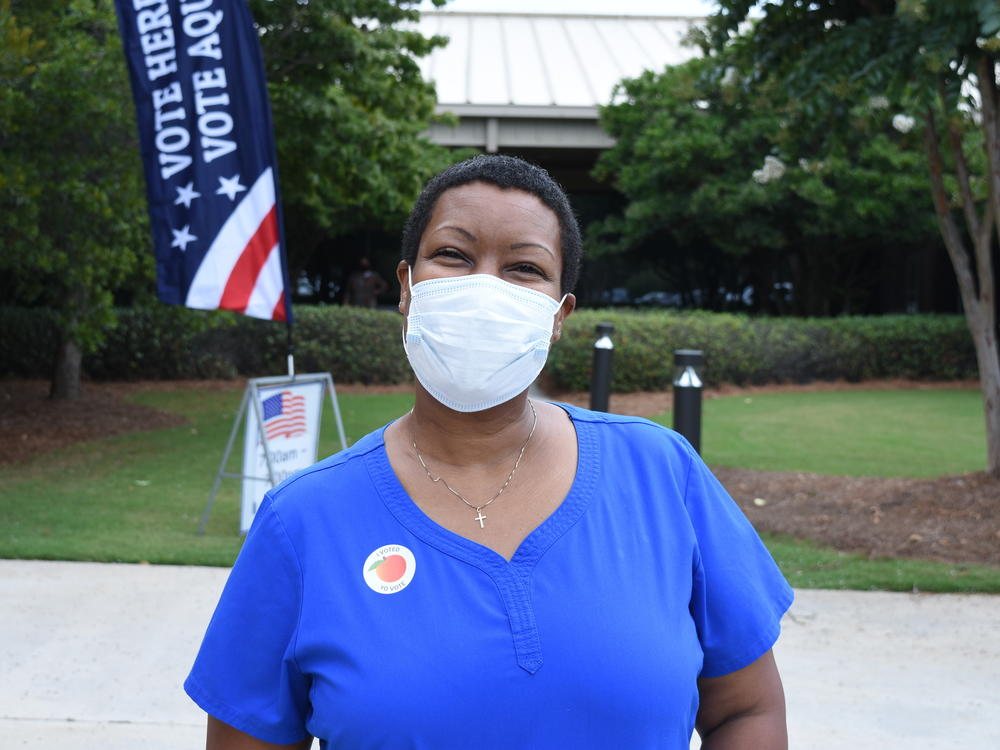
(281, 417)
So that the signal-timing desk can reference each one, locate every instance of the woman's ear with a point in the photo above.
(403, 277)
(567, 308)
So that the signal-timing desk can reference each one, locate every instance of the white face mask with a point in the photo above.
(477, 341)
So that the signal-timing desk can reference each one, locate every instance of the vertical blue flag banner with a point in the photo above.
(208, 150)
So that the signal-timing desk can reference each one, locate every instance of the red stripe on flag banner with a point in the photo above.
(288, 432)
(288, 435)
(279, 312)
(241, 281)
(300, 419)
(287, 420)
(286, 427)
(290, 421)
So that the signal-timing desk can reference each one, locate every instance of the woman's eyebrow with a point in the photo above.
(520, 245)
(464, 232)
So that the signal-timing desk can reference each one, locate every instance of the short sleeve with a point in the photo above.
(739, 595)
(245, 673)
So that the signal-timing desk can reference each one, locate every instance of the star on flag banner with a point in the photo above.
(208, 153)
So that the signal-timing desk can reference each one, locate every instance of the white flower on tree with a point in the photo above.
(813, 167)
(773, 169)
(878, 102)
(903, 123)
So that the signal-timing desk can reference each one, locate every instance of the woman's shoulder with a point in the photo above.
(638, 430)
(344, 473)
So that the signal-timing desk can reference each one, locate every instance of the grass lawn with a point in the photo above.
(139, 497)
(911, 433)
(810, 566)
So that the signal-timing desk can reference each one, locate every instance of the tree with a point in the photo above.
(935, 62)
(715, 201)
(71, 191)
(349, 108)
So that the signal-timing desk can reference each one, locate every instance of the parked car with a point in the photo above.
(783, 292)
(617, 296)
(659, 299)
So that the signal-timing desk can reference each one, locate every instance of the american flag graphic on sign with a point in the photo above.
(208, 152)
(284, 415)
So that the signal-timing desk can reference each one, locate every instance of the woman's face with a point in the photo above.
(480, 228)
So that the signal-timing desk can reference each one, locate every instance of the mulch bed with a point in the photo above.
(32, 423)
(950, 519)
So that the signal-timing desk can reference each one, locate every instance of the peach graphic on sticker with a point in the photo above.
(389, 569)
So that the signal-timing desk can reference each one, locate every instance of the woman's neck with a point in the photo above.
(468, 439)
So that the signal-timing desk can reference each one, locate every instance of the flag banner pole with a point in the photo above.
(290, 345)
(208, 151)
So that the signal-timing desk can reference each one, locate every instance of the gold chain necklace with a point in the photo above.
(480, 516)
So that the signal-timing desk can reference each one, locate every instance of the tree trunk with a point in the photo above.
(976, 289)
(66, 373)
(988, 359)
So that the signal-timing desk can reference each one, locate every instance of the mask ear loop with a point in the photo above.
(405, 331)
(557, 331)
(559, 306)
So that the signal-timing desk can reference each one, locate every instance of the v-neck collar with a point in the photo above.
(511, 577)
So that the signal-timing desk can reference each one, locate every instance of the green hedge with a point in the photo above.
(354, 345)
(744, 350)
(163, 343)
(363, 346)
(27, 342)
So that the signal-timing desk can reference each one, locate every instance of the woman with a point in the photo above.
(490, 571)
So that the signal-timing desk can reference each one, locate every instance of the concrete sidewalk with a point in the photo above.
(92, 657)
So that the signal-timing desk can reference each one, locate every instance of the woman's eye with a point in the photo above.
(528, 268)
(448, 253)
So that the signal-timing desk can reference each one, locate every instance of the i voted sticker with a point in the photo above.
(389, 569)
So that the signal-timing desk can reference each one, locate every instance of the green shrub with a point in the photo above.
(904, 346)
(355, 345)
(744, 350)
(161, 342)
(363, 346)
(27, 342)
(352, 344)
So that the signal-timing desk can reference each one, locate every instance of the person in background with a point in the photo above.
(364, 286)
(488, 570)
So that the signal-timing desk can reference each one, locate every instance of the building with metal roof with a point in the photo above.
(531, 83)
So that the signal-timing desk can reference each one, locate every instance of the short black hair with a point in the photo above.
(507, 173)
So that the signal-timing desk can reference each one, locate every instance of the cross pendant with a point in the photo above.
(481, 517)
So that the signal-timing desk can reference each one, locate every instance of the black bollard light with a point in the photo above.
(687, 395)
(600, 379)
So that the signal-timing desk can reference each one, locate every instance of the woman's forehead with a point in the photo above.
(482, 202)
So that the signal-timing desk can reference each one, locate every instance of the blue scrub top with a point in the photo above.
(593, 635)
